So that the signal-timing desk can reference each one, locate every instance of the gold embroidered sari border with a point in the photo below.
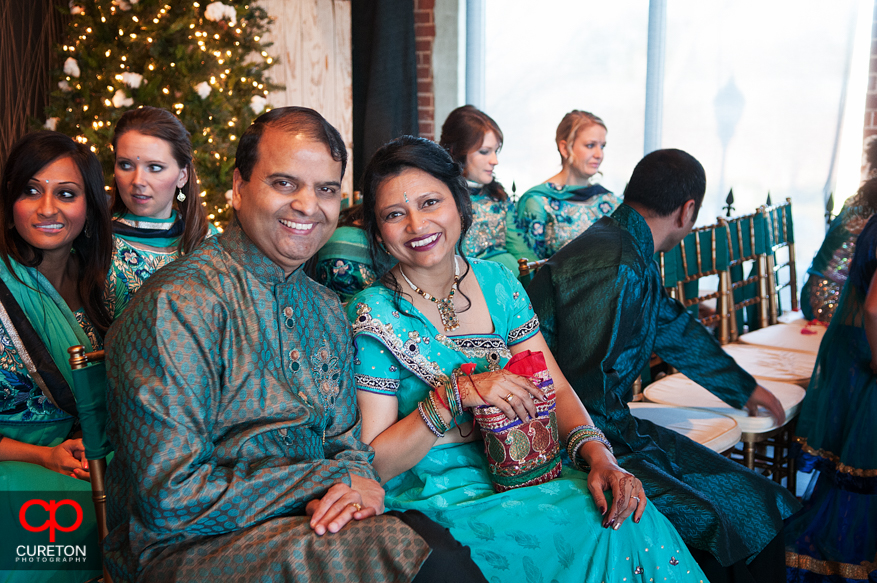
(840, 466)
(847, 570)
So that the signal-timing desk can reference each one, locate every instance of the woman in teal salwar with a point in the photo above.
(551, 214)
(55, 255)
(565, 529)
(157, 210)
(474, 140)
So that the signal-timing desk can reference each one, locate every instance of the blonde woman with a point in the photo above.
(551, 214)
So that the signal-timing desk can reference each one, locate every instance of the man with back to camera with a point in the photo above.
(231, 399)
(603, 312)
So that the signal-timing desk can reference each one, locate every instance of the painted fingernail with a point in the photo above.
(617, 526)
(602, 511)
(636, 520)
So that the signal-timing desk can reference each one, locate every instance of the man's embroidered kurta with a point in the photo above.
(232, 405)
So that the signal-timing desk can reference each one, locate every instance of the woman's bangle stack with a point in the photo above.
(429, 408)
(579, 436)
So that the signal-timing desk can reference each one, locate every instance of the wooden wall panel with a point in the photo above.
(312, 44)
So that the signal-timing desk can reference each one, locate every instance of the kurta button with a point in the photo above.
(287, 311)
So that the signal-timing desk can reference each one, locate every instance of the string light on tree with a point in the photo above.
(194, 59)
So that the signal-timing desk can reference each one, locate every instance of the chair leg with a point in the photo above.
(749, 454)
(98, 470)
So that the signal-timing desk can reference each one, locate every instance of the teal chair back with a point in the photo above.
(781, 236)
(748, 245)
(704, 252)
(90, 390)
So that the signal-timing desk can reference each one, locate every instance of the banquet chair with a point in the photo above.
(704, 253)
(781, 235)
(89, 389)
(527, 268)
(790, 331)
(715, 431)
(747, 247)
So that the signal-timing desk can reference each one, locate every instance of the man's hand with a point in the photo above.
(342, 503)
(763, 397)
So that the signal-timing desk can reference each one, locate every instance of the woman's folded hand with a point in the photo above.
(511, 393)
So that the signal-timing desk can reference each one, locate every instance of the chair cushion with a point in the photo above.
(712, 430)
(791, 317)
(772, 364)
(678, 390)
(800, 338)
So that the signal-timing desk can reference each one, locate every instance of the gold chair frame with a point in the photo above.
(79, 359)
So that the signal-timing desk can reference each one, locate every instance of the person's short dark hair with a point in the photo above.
(293, 119)
(93, 246)
(391, 160)
(664, 180)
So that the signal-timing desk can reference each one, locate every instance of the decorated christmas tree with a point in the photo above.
(204, 62)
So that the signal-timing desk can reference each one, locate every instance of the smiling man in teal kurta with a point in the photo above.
(603, 312)
(232, 403)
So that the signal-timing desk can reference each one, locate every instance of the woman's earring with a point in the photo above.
(181, 196)
(87, 229)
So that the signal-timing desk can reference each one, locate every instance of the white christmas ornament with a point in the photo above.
(228, 195)
(64, 86)
(71, 67)
(203, 88)
(122, 100)
(217, 11)
(123, 4)
(51, 123)
(74, 10)
(257, 103)
(132, 80)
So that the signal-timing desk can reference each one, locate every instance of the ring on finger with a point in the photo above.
(356, 505)
(636, 498)
(508, 398)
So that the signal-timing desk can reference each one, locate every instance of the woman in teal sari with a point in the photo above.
(474, 140)
(157, 210)
(551, 214)
(409, 348)
(55, 255)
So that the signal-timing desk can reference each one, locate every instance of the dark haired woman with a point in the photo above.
(833, 538)
(474, 140)
(157, 210)
(551, 214)
(55, 251)
(407, 349)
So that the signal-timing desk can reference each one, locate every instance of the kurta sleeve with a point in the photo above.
(170, 362)
(684, 343)
(525, 231)
(588, 315)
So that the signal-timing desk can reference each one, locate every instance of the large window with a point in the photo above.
(752, 89)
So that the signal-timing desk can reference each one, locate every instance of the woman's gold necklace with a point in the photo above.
(445, 306)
